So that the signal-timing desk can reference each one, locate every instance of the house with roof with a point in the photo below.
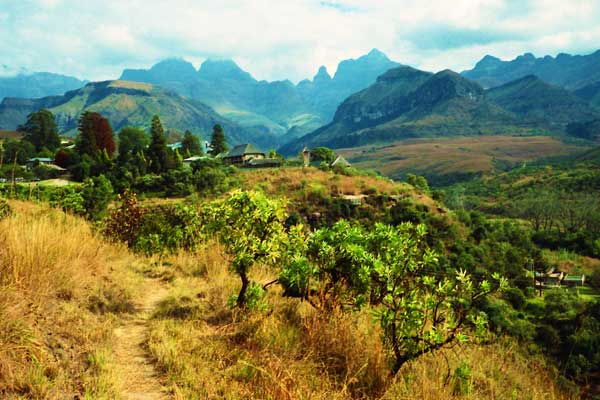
(248, 156)
(241, 154)
(574, 280)
(40, 160)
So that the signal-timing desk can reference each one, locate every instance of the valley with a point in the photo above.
(447, 160)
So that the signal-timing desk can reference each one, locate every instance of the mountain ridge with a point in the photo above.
(129, 103)
(570, 71)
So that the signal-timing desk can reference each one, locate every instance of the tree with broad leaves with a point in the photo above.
(250, 226)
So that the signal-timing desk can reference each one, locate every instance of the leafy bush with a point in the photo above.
(124, 223)
(166, 229)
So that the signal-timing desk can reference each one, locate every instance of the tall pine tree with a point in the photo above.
(158, 152)
(217, 142)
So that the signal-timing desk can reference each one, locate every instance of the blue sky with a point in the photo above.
(96, 39)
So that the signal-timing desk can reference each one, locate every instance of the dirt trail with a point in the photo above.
(137, 373)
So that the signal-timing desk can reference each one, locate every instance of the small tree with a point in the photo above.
(332, 271)
(190, 145)
(41, 130)
(419, 310)
(323, 154)
(218, 143)
(251, 228)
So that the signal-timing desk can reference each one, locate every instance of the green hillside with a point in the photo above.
(130, 103)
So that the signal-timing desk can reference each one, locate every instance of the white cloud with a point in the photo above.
(275, 39)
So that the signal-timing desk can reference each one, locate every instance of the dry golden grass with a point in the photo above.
(293, 182)
(458, 154)
(131, 85)
(57, 281)
(498, 371)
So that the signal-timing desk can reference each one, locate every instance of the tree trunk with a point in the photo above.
(241, 300)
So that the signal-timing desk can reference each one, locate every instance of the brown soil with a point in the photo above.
(140, 380)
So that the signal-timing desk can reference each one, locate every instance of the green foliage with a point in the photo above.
(393, 269)
(250, 227)
(158, 152)
(19, 151)
(255, 298)
(41, 130)
(190, 145)
(335, 273)
(419, 310)
(323, 154)
(217, 142)
(97, 193)
(68, 199)
(132, 141)
(166, 229)
(417, 182)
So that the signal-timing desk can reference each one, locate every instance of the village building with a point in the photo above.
(574, 280)
(548, 279)
(241, 154)
(40, 160)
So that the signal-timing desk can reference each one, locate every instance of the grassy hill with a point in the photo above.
(101, 322)
(130, 103)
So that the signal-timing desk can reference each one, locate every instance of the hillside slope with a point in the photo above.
(541, 103)
(129, 103)
(406, 103)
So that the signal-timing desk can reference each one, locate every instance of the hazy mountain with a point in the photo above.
(279, 107)
(325, 93)
(565, 70)
(37, 84)
(130, 103)
(541, 103)
(591, 94)
(408, 103)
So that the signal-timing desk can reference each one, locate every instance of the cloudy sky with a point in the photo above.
(278, 39)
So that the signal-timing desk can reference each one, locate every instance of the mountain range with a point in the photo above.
(369, 100)
(37, 84)
(408, 103)
(571, 72)
(279, 107)
(129, 103)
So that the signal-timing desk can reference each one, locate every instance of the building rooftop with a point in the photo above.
(242, 149)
